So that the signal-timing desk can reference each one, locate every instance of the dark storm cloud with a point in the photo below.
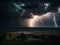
(9, 17)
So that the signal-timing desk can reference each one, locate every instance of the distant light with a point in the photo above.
(58, 9)
(22, 4)
(46, 5)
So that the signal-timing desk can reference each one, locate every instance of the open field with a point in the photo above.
(29, 38)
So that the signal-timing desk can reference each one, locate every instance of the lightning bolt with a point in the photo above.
(54, 19)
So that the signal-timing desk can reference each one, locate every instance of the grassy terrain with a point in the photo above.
(30, 42)
(28, 39)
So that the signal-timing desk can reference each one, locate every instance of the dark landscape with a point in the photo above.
(30, 37)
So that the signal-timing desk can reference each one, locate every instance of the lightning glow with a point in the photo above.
(17, 6)
(37, 20)
(40, 21)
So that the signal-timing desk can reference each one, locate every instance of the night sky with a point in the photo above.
(29, 13)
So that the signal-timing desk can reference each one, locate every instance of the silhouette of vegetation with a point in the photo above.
(31, 39)
(23, 36)
(36, 36)
(10, 35)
